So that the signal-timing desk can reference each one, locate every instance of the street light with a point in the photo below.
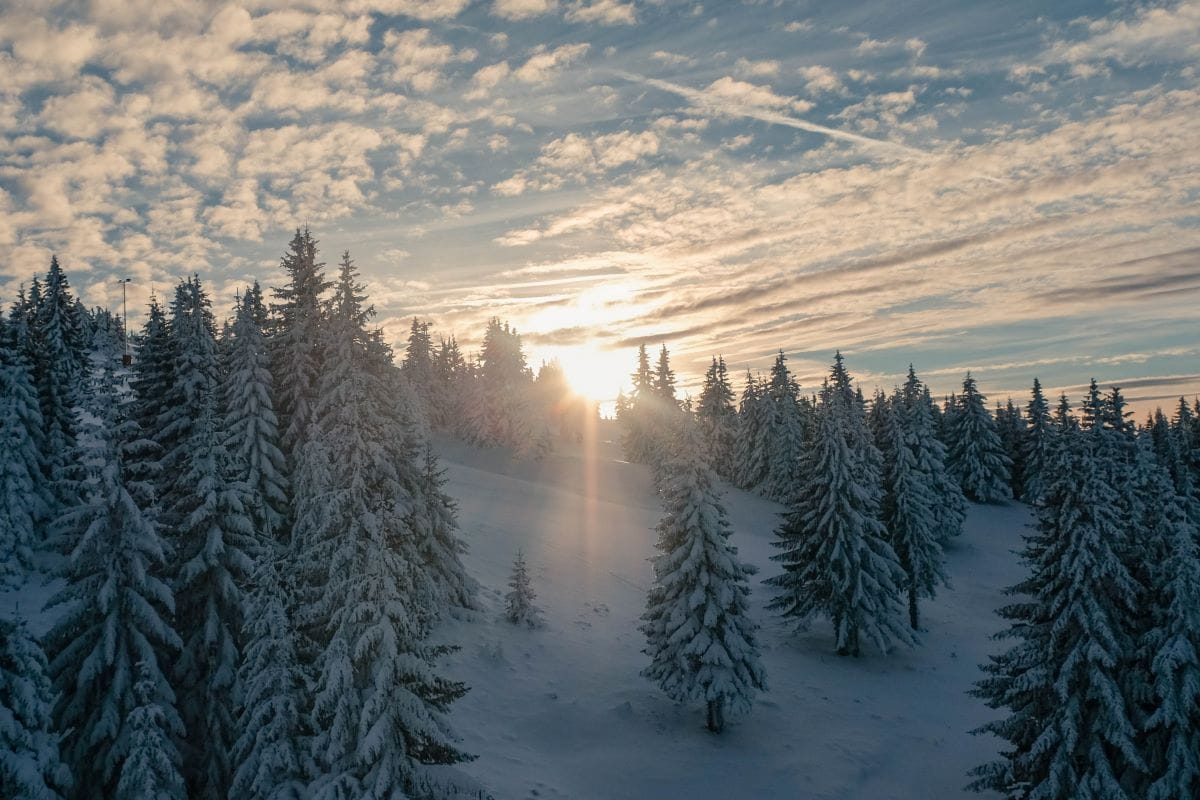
(126, 357)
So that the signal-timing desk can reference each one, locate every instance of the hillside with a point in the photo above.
(561, 712)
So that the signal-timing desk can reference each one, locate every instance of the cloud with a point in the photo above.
(605, 12)
(757, 69)
(486, 79)
(725, 96)
(1152, 34)
(542, 66)
(418, 57)
(819, 79)
(522, 9)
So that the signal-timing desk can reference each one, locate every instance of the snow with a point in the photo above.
(561, 711)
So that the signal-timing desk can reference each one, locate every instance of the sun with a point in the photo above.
(593, 372)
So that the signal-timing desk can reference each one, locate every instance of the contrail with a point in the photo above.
(703, 100)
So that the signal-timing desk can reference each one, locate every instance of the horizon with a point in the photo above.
(1008, 191)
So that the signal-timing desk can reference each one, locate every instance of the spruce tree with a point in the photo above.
(718, 419)
(637, 423)
(295, 341)
(24, 501)
(785, 439)
(1011, 427)
(977, 456)
(30, 766)
(950, 510)
(434, 522)
(664, 379)
(1036, 444)
(151, 769)
(1069, 728)
(116, 605)
(379, 708)
(837, 562)
(699, 636)
(251, 427)
(518, 603)
(268, 756)
(58, 372)
(910, 505)
(751, 457)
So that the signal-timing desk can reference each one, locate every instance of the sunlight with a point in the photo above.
(594, 372)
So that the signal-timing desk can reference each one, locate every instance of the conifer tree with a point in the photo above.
(699, 636)
(910, 505)
(785, 439)
(1069, 727)
(637, 422)
(977, 456)
(518, 603)
(718, 419)
(435, 525)
(251, 427)
(296, 322)
(751, 456)
(1011, 427)
(30, 767)
(116, 605)
(58, 374)
(24, 501)
(268, 754)
(153, 377)
(379, 705)
(452, 380)
(950, 510)
(837, 562)
(151, 770)
(1036, 444)
(418, 364)
(214, 541)
(664, 379)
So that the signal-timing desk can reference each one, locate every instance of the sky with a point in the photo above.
(1011, 188)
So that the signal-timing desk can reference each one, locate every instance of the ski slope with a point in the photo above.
(561, 712)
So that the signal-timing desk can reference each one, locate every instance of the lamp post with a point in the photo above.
(126, 357)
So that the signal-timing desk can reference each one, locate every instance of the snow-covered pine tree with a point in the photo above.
(1011, 427)
(295, 340)
(251, 429)
(1036, 444)
(699, 635)
(151, 768)
(1170, 451)
(24, 501)
(58, 372)
(30, 766)
(910, 512)
(214, 541)
(502, 412)
(435, 524)
(268, 756)
(379, 708)
(837, 562)
(452, 379)
(518, 603)
(664, 379)
(153, 376)
(750, 458)
(637, 436)
(1169, 654)
(718, 419)
(418, 366)
(785, 439)
(1070, 725)
(977, 456)
(950, 511)
(116, 607)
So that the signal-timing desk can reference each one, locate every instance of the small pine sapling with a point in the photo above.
(518, 604)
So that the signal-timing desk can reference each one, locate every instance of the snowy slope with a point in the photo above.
(561, 712)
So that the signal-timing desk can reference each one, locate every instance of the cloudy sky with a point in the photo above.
(1008, 187)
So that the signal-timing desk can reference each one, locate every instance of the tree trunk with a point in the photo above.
(716, 716)
(912, 606)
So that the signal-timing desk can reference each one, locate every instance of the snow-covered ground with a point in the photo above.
(562, 712)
